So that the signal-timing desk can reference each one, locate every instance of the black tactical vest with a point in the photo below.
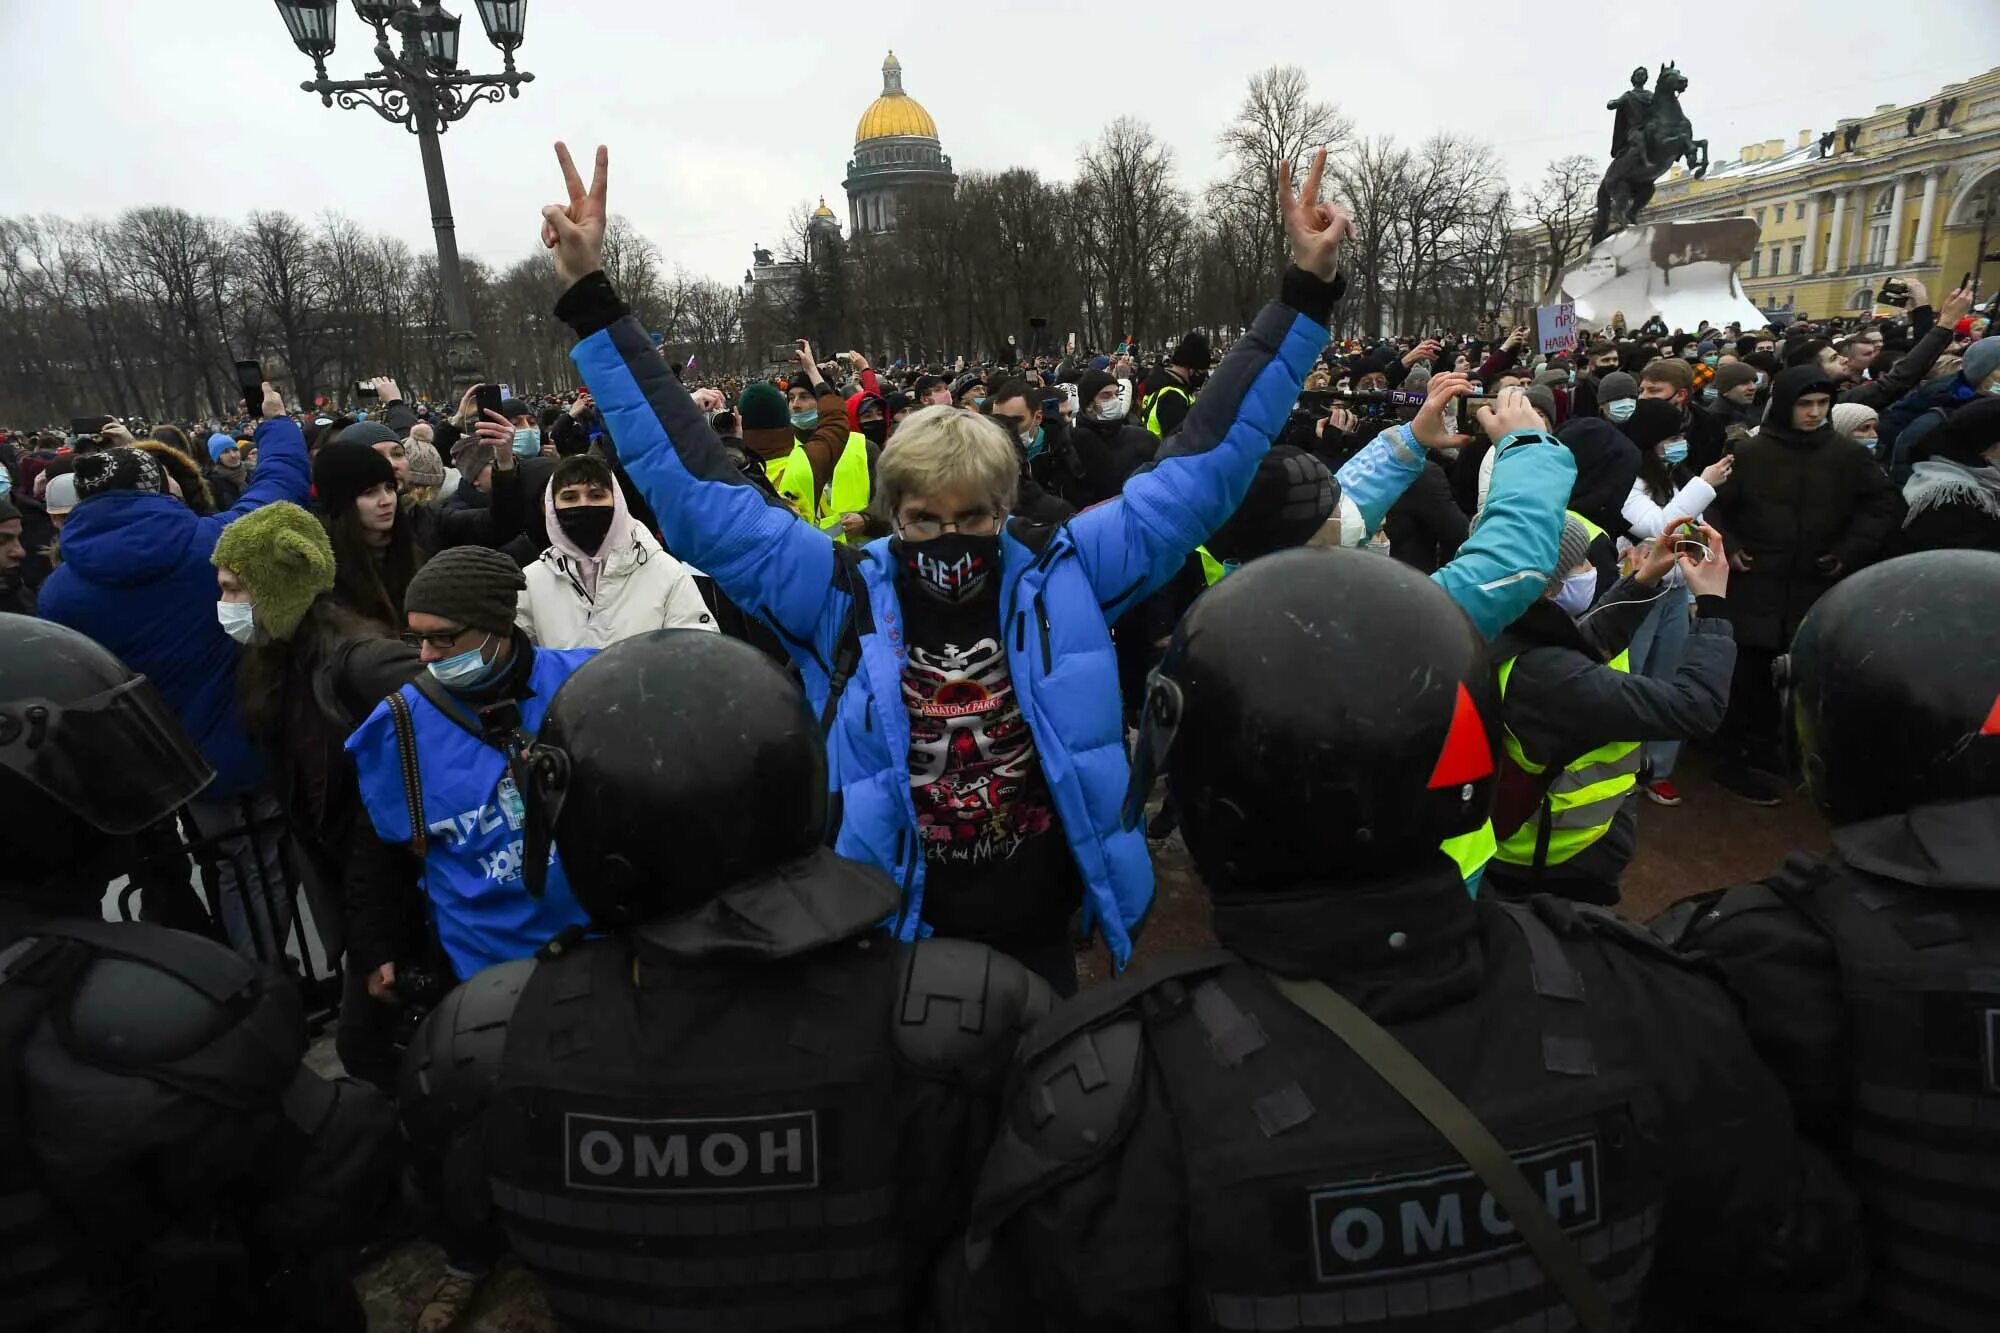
(710, 1148)
(1317, 1198)
(1920, 977)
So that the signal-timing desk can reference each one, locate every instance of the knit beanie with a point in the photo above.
(1542, 399)
(1616, 385)
(471, 455)
(426, 467)
(474, 586)
(1192, 352)
(121, 469)
(1733, 376)
(1571, 551)
(1652, 421)
(1850, 417)
(368, 432)
(283, 556)
(220, 444)
(1291, 496)
(342, 470)
(1981, 360)
(762, 407)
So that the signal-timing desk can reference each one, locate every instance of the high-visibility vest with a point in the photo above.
(1584, 798)
(1153, 408)
(846, 493)
(1471, 851)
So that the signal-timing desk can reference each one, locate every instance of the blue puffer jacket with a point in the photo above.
(136, 577)
(1059, 591)
(473, 851)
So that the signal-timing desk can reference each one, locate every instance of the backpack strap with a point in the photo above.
(859, 620)
(413, 783)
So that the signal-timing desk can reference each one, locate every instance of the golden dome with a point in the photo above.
(822, 211)
(895, 112)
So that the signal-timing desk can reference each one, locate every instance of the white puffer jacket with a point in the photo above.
(634, 587)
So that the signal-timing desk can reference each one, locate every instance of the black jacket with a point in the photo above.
(1085, 1219)
(1426, 526)
(1792, 501)
(1606, 466)
(1088, 461)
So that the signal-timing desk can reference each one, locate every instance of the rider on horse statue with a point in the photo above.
(1648, 136)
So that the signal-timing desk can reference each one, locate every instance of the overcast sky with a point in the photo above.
(719, 117)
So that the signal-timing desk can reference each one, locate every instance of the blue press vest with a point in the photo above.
(472, 863)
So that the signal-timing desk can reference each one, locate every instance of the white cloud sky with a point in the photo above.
(721, 116)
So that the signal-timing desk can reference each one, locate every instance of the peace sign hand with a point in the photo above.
(1316, 229)
(576, 231)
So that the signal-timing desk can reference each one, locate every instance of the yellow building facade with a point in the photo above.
(1904, 191)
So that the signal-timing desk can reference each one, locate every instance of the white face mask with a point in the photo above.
(1577, 593)
(238, 620)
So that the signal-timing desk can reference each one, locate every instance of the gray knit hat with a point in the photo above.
(425, 467)
(474, 586)
(1616, 385)
(1544, 401)
(1571, 551)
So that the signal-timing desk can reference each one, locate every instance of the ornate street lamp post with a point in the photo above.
(422, 89)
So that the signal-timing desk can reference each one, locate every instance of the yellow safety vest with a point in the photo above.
(1471, 851)
(1153, 408)
(1583, 799)
(846, 493)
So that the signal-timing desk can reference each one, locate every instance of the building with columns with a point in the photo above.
(896, 152)
(1904, 191)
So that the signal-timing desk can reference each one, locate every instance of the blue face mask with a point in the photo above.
(1708, 394)
(1577, 592)
(527, 442)
(467, 670)
(806, 420)
(1711, 360)
(1621, 410)
(1675, 451)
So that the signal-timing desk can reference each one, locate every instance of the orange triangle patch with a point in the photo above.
(1992, 726)
(1468, 755)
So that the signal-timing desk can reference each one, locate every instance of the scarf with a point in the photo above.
(1936, 481)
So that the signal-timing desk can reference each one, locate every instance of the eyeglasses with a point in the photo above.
(442, 640)
(923, 527)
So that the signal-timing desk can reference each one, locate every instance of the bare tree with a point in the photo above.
(1563, 205)
(1130, 216)
(1374, 178)
(1278, 123)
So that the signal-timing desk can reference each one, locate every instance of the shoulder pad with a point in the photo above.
(1681, 925)
(454, 1060)
(1575, 919)
(961, 1005)
(149, 995)
(1067, 1108)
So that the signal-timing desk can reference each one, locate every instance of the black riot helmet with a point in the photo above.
(1321, 715)
(88, 750)
(1894, 685)
(669, 767)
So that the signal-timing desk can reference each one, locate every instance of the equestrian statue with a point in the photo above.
(1649, 135)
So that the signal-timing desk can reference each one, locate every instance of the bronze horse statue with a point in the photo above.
(1649, 148)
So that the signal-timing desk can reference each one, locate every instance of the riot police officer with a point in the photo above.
(165, 1161)
(1871, 978)
(745, 1104)
(1238, 1139)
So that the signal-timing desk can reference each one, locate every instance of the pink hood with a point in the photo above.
(617, 538)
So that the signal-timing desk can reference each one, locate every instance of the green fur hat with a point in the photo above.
(282, 555)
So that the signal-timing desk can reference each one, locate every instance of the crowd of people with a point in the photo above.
(703, 790)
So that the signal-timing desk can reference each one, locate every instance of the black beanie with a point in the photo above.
(342, 470)
(1290, 498)
(1192, 352)
(474, 586)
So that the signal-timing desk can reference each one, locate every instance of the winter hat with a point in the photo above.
(1553, 379)
(123, 468)
(762, 407)
(1100, 363)
(1419, 378)
(1571, 551)
(7, 511)
(1616, 385)
(1981, 360)
(60, 497)
(344, 469)
(1850, 417)
(369, 433)
(426, 465)
(1965, 435)
(1291, 496)
(1543, 401)
(1653, 420)
(1732, 376)
(1093, 383)
(474, 586)
(1192, 352)
(220, 444)
(283, 556)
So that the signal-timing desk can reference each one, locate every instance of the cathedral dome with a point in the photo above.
(895, 113)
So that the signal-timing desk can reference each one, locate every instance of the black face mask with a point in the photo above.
(875, 431)
(1197, 379)
(954, 567)
(586, 525)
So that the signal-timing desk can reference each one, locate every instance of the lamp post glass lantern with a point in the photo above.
(420, 88)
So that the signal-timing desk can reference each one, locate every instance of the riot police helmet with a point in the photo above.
(1321, 715)
(88, 749)
(670, 767)
(1893, 686)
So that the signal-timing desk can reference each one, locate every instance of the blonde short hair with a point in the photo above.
(939, 449)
